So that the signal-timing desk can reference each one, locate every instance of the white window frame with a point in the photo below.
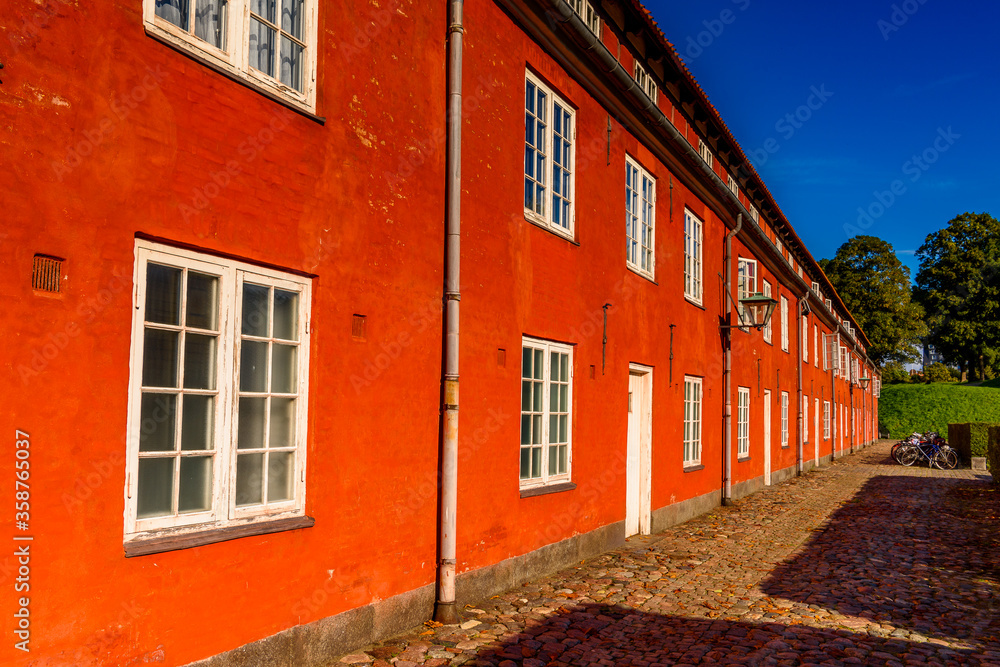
(694, 244)
(816, 345)
(693, 398)
(547, 477)
(831, 353)
(234, 59)
(826, 420)
(640, 191)
(784, 419)
(645, 81)
(746, 286)
(829, 304)
(733, 187)
(706, 152)
(804, 339)
(815, 288)
(553, 104)
(223, 513)
(585, 10)
(783, 301)
(755, 214)
(768, 328)
(742, 422)
(805, 419)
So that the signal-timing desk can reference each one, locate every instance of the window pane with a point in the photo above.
(563, 428)
(265, 9)
(525, 462)
(539, 366)
(280, 470)
(198, 422)
(283, 369)
(156, 487)
(536, 430)
(159, 358)
(210, 21)
(290, 72)
(563, 398)
(253, 366)
(251, 423)
(202, 301)
(553, 432)
(249, 479)
(163, 294)
(196, 484)
(525, 429)
(563, 458)
(526, 357)
(175, 11)
(536, 402)
(282, 427)
(255, 310)
(286, 315)
(291, 17)
(158, 415)
(536, 461)
(553, 461)
(261, 47)
(525, 396)
(199, 361)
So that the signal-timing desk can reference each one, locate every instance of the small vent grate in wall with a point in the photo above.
(45, 273)
(502, 358)
(358, 328)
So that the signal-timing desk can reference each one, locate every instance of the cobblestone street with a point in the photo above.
(864, 562)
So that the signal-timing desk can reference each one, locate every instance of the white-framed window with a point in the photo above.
(768, 328)
(645, 81)
(831, 345)
(783, 305)
(217, 394)
(585, 10)
(640, 213)
(816, 346)
(755, 214)
(692, 420)
(845, 370)
(693, 242)
(804, 338)
(829, 304)
(271, 45)
(781, 246)
(746, 287)
(815, 288)
(743, 421)
(546, 412)
(733, 187)
(805, 419)
(826, 420)
(784, 419)
(706, 152)
(549, 135)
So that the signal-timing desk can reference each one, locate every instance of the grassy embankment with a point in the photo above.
(905, 408)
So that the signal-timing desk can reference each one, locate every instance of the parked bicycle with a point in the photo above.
(929, 447)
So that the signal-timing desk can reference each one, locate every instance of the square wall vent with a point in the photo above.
(46, 273)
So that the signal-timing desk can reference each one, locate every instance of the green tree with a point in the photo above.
(938, 372)
(958, 285)
(875, 287)
(893, 372)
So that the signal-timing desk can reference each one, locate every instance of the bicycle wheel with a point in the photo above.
(908, 456)
(894, 452)
(946, 459)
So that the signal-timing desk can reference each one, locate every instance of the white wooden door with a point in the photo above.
(638, 452)
(816, 430)
(767, 437)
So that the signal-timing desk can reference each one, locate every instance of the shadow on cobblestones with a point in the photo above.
(920, 554)
(599, 635)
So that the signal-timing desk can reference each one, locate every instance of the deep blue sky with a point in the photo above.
(892, 92)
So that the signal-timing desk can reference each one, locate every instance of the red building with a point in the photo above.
(231, 269)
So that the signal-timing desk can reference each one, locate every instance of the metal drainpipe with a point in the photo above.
(445, 610)
(801, 418)
(727, 369)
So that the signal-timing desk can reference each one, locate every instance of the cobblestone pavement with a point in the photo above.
(863, 562)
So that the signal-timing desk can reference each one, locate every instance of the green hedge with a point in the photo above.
(973, 439)
(993, 457)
